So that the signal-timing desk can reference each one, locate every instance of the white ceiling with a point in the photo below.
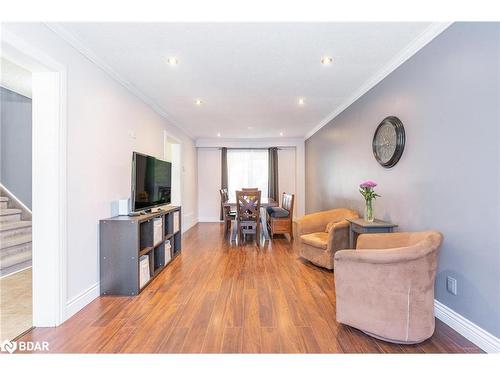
(247, 74)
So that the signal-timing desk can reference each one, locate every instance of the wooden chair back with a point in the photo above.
(248, 213)
(287, 202)
(224, 197)
(248, 205)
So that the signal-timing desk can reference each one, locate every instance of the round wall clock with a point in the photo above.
(389, 141)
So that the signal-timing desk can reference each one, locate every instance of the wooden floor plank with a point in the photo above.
(232, 340)
(270, 340)
(225, 297)
(251, 323)
(175, 341)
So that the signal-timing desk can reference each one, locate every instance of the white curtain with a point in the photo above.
(247, 169)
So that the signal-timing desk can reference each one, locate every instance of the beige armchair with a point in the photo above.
(321, 234)
(386, 286)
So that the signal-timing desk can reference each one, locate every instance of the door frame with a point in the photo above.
(49, 243)
(177, 166)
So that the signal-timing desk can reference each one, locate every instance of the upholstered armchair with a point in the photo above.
(386, 286)
(322, 233)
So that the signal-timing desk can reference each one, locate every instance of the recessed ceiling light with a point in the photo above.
(250, 127)
(301, 101)
(218, 134)
(172, 61)
(199, 102)
(281, 134)
(326, 60)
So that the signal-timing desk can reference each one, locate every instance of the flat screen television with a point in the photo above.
(151, 182)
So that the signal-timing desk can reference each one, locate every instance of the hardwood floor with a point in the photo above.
(221, 298)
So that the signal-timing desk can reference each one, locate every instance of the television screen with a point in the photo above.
(151, 182)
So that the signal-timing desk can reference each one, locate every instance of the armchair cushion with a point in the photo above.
(319, 239)
(278, 212)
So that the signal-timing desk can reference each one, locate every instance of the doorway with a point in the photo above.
(16, 309)
(48, 173)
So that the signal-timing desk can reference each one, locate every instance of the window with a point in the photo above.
(247, 169)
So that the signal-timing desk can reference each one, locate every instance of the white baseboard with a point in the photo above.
(485, 340)
(77, 303)
(209, 220)
(188, 221)
(186, 227)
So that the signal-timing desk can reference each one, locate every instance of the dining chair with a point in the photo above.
(248, 213)
(280, 218)
(227, 215)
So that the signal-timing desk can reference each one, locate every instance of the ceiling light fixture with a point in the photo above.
(281, 134)
(218, 134)
(172, 61)
(199, 102)
(301, 101)
(326, 60)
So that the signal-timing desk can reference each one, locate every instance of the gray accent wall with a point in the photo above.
(15, 138)
(448, 179)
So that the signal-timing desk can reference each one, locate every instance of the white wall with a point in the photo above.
(291, 172)
(105, 124)
(287, 172)
(189, 184)
(209, 176)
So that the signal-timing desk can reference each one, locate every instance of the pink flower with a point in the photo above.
(368, 184)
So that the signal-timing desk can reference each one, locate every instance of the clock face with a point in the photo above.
(388, 141)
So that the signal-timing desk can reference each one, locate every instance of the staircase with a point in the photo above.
(15, 239)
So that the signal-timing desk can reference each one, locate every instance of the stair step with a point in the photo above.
(4, 202)
(15, 240)
(10, 214)
(10, 229)
(15, 231)
(14, 255)
(10, 211)
(5, 271)
(10, 225)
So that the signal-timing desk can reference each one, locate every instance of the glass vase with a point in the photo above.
(369, 216)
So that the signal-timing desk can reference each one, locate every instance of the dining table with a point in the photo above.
(264, 203)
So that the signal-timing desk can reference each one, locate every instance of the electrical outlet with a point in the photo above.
(451, 285)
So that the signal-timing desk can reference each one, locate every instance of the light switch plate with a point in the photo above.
(451, 285)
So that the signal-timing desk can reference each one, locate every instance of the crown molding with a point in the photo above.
(417, 44)
(90, 55)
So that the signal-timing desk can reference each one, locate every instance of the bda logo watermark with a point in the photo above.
(23, 346)
(8, 346)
